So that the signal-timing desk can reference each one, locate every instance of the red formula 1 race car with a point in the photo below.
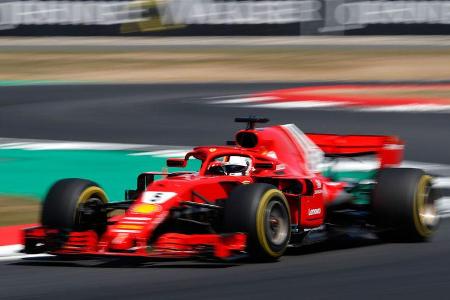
(270, 188)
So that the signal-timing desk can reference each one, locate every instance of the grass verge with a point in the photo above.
(212, 65)
(18, 210)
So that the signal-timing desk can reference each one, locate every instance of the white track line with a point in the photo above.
(12, 252)
(10, 249)
(238, 96)
(180, 151)
(61, 145)
(177, 151)
(442, 182)
(39, 145)
(408, 108)
(367, 165)
(16, 257)
(163, 153)
(424, 165)
(443, 207)
(32, 144)
(277, 103)
(245, 100)
(299, 104)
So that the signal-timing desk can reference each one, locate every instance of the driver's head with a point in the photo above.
(237, 165)
(233, 166)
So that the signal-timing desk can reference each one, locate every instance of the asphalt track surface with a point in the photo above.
(178, 115)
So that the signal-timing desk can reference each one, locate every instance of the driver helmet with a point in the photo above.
(237, 166)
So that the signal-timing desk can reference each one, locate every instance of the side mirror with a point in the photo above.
(269, 165)
(176, 162)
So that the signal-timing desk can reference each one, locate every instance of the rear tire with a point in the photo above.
(261, 211)
(74, 204)
(403, 205)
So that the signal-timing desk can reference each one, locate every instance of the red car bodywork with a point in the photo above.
(281, 155)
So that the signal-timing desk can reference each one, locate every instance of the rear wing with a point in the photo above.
(389, 149)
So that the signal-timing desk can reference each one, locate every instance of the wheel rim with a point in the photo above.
(277, 226)
(89, 213)
(428, 214)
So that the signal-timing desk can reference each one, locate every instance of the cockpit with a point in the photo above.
(231, 165)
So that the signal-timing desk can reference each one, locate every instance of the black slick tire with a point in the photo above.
(61, 207)
(403, 205)
(261, 211)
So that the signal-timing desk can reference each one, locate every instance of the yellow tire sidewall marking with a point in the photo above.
(88, 193)
(260, 224)
(419, 202)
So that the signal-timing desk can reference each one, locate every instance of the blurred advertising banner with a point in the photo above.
(222, 17)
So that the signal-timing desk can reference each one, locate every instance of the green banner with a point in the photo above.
(32, 172)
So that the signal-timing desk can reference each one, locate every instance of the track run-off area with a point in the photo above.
(110, 133)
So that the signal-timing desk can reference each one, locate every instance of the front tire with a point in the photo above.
(261, 211)
(404, 205)
(75, 204)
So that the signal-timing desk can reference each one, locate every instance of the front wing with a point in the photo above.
(167, 246)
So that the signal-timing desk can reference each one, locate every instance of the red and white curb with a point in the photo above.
(331, 103)
(10, 243)
(328, 97)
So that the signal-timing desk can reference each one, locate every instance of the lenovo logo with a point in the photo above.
(314, 211)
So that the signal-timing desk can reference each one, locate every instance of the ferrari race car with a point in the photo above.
(269, 189)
